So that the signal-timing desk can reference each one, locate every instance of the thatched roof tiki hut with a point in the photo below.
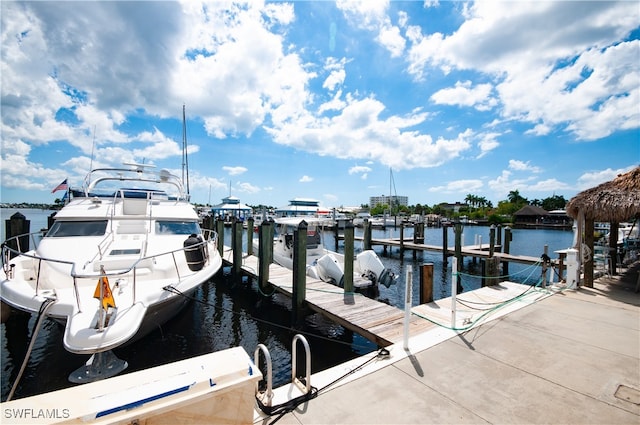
(614, 202)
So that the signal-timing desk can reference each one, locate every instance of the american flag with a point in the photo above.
(61, 186)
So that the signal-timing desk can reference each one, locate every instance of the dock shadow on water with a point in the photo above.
(222, 314)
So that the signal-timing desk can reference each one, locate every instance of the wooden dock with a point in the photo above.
(378, 322)
(477, 250)
(374, 320)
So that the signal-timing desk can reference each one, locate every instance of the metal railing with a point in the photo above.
(210, 238)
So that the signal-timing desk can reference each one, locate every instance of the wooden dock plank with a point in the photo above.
(379, 322)
(353, 311)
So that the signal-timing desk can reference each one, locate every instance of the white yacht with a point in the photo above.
(121, 258)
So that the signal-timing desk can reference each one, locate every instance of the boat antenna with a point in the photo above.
(185, 158)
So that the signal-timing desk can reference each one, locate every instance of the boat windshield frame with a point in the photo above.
(140, 174)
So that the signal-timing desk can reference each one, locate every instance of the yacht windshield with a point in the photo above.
(177, 228)
(77, 228)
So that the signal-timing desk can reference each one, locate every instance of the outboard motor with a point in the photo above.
(330, 269)
(372, 268)
(387, 278)
(194, 252)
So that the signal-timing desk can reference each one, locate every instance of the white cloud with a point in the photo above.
(234, 171)
(517, 165)
(594, 178)
(505, 183)
(372, 16)
(389, 36)
(335, 78)
(464, 94)
(358, 169)
(358, 132)
(305, 179)
(487, 143)
(227, 61)
(247, 187)
(548, 186)
(581, 76)
(459, 186)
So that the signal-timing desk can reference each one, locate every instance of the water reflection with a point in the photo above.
(223, 314)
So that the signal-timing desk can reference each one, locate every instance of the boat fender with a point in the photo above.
(194, 252)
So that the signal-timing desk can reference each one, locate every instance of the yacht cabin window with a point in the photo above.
(77, 228)
(165, 227)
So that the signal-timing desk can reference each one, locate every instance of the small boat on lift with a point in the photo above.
(325, 264)
(116, 263)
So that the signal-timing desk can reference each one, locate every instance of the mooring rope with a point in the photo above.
(42, 314)
(289, 406)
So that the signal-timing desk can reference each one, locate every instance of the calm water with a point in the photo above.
(227, 313)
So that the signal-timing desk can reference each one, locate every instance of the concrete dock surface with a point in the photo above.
(570, 357)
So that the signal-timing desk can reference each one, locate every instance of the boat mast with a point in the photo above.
(185, 159)
(392, 184)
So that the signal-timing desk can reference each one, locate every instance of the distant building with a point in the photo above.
(529, 215)
(453, 207)
(231, 207)
(388, 200)
(302, 206)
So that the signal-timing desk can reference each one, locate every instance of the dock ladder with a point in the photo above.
(265, 397)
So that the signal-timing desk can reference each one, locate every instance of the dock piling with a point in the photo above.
(220, 232)
(348, 257)
(458, 243)
(250, 236)
(426, 283)
(445, 244)
(18, 225)
(265, 251)
(367, 234)
(236, 243)
(507, 241)
(490, 271)
(492, 240)
(299, 271)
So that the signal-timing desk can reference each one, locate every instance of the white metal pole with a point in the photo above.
(407, 306)
(454, 290)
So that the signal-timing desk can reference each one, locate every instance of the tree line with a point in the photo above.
(475, 207)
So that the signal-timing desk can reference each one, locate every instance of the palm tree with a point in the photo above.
(515, 198)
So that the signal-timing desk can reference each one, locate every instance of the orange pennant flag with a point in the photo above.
(107, 296)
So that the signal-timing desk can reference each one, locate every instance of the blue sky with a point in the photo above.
(321, 99)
